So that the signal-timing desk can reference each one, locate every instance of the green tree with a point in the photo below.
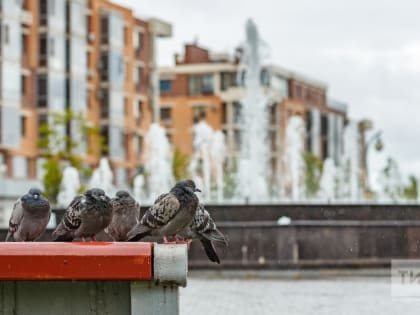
(55, 145)
(180, 164)
(411, 190)
(313, 171)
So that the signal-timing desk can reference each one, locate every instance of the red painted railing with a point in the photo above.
(76, 261)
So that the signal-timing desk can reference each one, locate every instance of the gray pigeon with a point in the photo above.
(204, 229)
(125, 215)
(170, 214)
(29, 218)
(86, 216)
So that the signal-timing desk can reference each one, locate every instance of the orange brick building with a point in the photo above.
(202, 82)
(90, 56)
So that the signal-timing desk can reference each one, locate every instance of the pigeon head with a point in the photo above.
(187, 185)
(96, 194)
(34, 202)
(122, 194)
(35, 193)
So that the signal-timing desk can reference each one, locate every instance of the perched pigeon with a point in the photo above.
(170, 214)
(125, 215)
(86, 216)
(204, 229)
(30, 217)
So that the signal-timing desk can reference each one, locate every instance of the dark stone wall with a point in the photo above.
(319, 236)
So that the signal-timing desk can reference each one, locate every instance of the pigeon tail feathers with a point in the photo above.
(210, 251)
(216, 236)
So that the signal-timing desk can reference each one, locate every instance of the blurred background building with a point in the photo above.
(92, 57)
(205, 85)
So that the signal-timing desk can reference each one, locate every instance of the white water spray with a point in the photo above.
(69, 187)
(295, 147)
(158, 162)
(253, 163)
(103, 177)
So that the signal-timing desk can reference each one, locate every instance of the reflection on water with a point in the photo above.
(285, 295)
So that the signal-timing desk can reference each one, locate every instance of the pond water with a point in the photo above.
(219, 295)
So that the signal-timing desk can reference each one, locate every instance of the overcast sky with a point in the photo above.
(367, 51)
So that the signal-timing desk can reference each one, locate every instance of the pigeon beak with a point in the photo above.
(36, 196)
(197, 190)
(102, 197)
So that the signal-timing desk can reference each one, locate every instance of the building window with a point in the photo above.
(42, 86)
(228, 79)
(237, 112)
(137, 78)
(104, 29)
(265, 77)
(42, 121)
(43, 11)
(165, 86)
(22, 85)
(104, 103)
(166, 115)
(23, 126)
(324, 136)
(201, 84)
(199, 113)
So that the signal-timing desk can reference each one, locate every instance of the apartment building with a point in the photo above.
(91, 56)
(202, 84)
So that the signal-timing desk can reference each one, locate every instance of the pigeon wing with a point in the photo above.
(163, 210)
(15, 219)
(71, 219)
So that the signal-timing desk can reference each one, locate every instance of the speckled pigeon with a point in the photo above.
(86, 216)
(29, 218)
(170, 214)
(204, 229)
(125, 215)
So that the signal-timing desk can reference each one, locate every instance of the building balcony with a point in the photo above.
(26, 17)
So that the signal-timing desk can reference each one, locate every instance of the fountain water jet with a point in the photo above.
(328, 181)
(218, 156)
(254, 162)
(69, 187)
(157, 162)
(103, 177)
(295, 147)
(349, 177)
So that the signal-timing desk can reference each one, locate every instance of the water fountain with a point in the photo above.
(295, 147)
(139, 187)
(206, 166)
(390, 182)
(349, 169)
(200, 166)
(253, 163)
(218, 154)
(157, 162)
(102, 177)
(328, 181)
(69, 187)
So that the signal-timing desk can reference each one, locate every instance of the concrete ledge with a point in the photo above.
(170, 263)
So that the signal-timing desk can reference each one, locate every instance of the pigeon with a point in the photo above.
(170, 214)
(204, 229)
(87, 215)
(29, 218)
(125, 215)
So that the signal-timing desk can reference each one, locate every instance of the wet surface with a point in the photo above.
(332, 295)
